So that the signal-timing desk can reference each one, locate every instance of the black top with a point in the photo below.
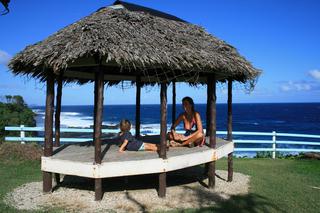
(133, 143)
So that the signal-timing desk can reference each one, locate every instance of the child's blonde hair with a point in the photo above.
(125, 125)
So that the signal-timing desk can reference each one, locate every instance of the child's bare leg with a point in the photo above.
(150, 147)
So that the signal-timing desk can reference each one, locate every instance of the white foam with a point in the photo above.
(74, 119)
(70, 113)
(109, 123)
(38, 111)
(68, 119)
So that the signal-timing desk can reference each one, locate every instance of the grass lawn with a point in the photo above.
(276, 185)
(14, 173)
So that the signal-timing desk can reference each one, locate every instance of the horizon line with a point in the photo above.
(181, 104)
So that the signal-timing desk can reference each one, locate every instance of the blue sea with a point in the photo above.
(302, 118)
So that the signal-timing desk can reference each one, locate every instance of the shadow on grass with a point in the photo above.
(203, 197)
(142, 207)
(240, 203)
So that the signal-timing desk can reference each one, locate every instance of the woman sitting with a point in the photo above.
(191, 118)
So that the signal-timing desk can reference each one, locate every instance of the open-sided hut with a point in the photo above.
(127, 42)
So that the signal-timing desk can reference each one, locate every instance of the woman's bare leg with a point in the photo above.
(178, 137)
(175, 139)
(197, 138)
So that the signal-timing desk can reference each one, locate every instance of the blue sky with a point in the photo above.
(281, 37)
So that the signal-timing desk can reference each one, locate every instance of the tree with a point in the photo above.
(15, 112)
(8, 98)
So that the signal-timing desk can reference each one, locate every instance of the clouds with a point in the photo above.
(315, 74)
(4, 58)
(302, 85)
(299, 86)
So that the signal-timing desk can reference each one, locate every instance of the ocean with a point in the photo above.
(301, 118)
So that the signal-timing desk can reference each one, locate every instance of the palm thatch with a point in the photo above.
(5, 4)
(127, 40)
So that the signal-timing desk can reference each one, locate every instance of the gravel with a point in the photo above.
(139, 199)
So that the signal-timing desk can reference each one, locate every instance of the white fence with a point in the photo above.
(272, 142)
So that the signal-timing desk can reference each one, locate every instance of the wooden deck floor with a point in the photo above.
(78, 159)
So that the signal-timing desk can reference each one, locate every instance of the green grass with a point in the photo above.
(14, 173)
(276, 185)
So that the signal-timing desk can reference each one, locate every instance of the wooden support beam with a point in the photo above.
(58, 110)
(163, 122)
(95, 99)
(209, 91)
(162, 184)
(48, 142)
(138, 100)
(212, 126)
(163, 141)
(57, 118)
(99, 86)
(98, 189)
(229, 137)
(208, 107)
(173, 102)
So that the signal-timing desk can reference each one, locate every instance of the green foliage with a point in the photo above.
(15, 112)
(261, 154)
(280, 155)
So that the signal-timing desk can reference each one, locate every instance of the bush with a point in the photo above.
(17, 151)
(15, 112)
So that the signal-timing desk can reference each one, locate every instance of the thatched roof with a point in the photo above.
(129, 40)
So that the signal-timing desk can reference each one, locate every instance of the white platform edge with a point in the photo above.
(127, 168)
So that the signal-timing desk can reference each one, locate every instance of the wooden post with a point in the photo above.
(138, 97)
(95, 99)
(163, 141)
(48, 128)
(173, 102)
(274, 146)
(22, 134)
(229, 137)
(57, 119)
(208, 110)
(208, 107)
(99, 86)
(58, 111)
(212, 126)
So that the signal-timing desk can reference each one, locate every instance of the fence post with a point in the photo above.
(274, 144)
(22, 134)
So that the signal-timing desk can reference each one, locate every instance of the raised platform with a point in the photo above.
(78, 159)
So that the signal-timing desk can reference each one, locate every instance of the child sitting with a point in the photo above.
(130, 143)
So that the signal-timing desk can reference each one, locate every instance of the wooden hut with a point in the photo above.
(127, 42)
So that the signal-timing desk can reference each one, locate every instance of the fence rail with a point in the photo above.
(272, 141)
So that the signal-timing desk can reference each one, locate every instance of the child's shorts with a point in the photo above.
(141, 147)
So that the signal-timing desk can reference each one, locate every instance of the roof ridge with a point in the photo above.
(135, 7)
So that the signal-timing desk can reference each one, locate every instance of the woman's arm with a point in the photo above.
(123, 145)
(177, 121)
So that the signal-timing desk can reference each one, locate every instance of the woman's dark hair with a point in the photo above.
(190, 101)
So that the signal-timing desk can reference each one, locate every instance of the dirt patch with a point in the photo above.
(79, 197)
(20, 151)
